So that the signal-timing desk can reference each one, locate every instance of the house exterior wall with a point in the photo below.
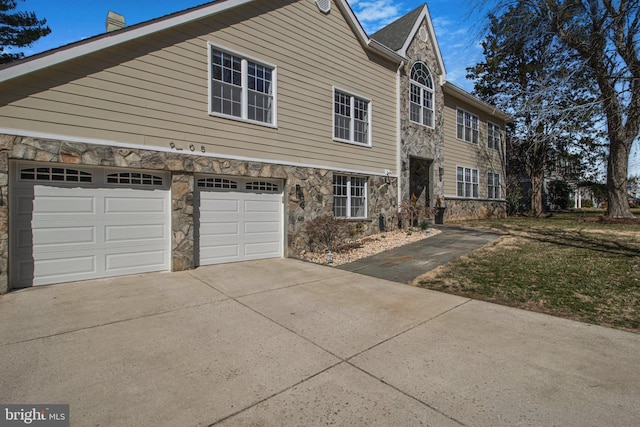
(153, 91)
(144, 105)
(458, 152)
(420, 141)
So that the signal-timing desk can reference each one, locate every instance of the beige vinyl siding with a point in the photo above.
(461, 153)
(154, 90)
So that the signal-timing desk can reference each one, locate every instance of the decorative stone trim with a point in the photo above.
(459, 209)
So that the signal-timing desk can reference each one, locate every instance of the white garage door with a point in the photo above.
(71, 223)
(238, 219)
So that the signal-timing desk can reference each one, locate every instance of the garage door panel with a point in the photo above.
(219, 229)
(48, 205)
(261, 227)
(262, 249)
(219, 253)
(134, 233)
(51, 266)
(134, 205)
(221, 205)
(60, 237)
(262, 206)
(24, 206)
(130, 262)
(22, 271)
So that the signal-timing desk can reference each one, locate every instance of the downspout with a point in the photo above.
(399, 131)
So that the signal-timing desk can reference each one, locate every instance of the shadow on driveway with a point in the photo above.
(407, 262)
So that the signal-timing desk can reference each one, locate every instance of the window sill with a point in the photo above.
(345, 141)
(241, 120)
(421, 125)
(467, 142)
(364, 219)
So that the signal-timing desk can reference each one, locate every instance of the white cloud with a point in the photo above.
(375, 14)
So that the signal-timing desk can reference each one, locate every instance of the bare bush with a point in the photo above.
(326, 232)
(411, 214)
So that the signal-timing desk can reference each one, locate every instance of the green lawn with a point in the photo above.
(560, 265)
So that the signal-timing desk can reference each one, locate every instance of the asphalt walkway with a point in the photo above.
(407, 262)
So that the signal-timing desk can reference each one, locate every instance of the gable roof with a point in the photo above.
(396, 34)
(400, 33)
(105, 40)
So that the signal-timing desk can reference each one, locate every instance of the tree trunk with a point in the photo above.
(618, 163)
(537, 180)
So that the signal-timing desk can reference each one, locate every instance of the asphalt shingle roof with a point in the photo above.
(395, 34)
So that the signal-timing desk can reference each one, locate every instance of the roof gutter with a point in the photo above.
(484, 106)
(381, 49)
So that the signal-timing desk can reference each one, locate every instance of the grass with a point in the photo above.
(561, 265)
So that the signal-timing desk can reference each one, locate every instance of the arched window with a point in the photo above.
(421, 102)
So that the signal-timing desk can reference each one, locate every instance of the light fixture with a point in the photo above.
(440, 172)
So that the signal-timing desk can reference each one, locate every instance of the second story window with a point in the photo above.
(242, 88)
(351, 118)
(493, 136)
(421, 96)
(468, 129)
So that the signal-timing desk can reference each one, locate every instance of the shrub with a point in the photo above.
(327, 232)
(559, 194)
(587, 204)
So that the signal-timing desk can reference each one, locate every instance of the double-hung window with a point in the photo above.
(349, 196)
(468, 127)
(493, 136)
(493, 185)
(421, 101)
(467, 182)
(242, 88)
(351, 118)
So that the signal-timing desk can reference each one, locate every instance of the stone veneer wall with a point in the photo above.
(460, 209)
(308, 191)
(417, 140)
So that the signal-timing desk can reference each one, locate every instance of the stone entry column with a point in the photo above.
(182, 243)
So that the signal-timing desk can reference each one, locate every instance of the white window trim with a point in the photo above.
(466, 196)
(245, 86)
(352, 127)
(423, 88)
(366, 197)
(499, 196)
(478, 120)
(499, 136)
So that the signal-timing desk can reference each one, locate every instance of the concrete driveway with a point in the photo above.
(284, 342)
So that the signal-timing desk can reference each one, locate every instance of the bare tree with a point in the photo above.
(605, 33)
(601, 39)
(527, 73)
